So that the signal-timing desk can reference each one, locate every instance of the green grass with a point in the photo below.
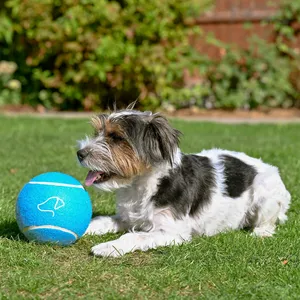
(227, 266)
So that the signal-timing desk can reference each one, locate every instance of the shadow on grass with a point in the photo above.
(247, 230)
(100, 214)
(10, 230)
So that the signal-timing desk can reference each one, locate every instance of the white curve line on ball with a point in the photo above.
(57, 184)
(25, 229)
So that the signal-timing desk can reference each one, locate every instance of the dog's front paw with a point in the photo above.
(107, 250)
(101, 225)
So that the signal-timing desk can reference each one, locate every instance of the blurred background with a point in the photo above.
(84, 55)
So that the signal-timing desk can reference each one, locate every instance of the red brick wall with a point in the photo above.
(227, 22)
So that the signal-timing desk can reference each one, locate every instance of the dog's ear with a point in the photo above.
(160, 139)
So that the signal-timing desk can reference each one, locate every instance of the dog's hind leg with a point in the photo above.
(270, 202)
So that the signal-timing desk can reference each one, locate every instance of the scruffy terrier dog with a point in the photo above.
(164, 197)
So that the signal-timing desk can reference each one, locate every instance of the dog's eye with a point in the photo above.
(115, 137)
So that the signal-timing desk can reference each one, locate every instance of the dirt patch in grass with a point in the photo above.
(186, 113)
(274, 113)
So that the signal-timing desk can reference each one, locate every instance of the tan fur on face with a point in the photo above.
(124, 157)
(99, 122)
(126, 160)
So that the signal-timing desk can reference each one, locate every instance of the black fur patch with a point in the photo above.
(188, 187)
(239, 176)
(151, 135)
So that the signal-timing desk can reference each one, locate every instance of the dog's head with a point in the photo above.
(126, 144)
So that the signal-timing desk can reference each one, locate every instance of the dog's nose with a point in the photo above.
(81, 154)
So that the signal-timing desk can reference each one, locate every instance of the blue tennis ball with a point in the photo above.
(53, 208)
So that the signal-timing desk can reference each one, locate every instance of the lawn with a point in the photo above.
(233, 265)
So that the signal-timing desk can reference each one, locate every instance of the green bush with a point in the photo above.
(86, 54)
(265, 74)
(256, 77)
(286, 24)
(81, 54)
(10, 88)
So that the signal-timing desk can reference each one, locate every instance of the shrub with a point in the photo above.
(10, 88)
(258, 76)
(286, 24)
(264, 75)
(287, 28)
(83, 53)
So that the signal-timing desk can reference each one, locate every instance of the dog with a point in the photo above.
(164, 197)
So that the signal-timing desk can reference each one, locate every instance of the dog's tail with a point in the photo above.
(284, 206)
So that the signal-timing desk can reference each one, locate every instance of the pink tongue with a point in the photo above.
(91, 177)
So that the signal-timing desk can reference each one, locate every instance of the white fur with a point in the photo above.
(260, 207)
(116, 115)
(130, 242)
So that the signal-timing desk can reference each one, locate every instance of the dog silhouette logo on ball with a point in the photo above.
(51, 205)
